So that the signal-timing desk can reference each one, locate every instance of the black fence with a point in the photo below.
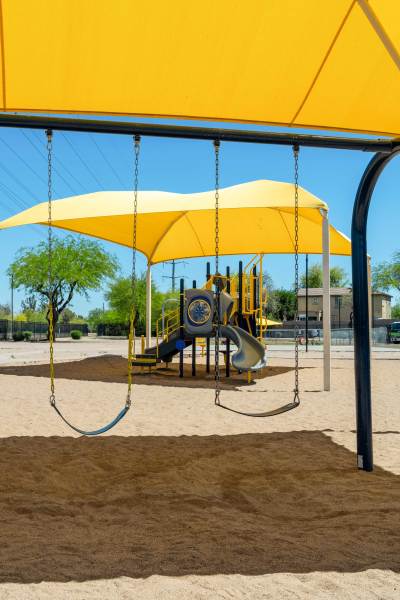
(39, 330)
(113, 329)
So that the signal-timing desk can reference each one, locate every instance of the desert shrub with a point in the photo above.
(76, 334)
(27, 335)
(18, 336)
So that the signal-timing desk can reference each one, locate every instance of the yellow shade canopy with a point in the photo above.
(322, 64)
(255, 218)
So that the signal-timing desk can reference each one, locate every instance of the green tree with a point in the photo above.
(386, 275)
(338, 277)
(32, 309)
(284, 304)
(396, 311)
(78, 266)
(98, 315)
(68, 315)
(5, 311)
(269, 297)
(119, 298)
(30, 303)
(267, 282)
(95, 317)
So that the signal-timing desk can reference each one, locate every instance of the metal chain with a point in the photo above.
(49, 136)
(217, 282)
(133, 272)
(296, 150)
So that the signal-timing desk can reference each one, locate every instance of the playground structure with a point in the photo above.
(164, 218)
(243, 300)
(174, 226)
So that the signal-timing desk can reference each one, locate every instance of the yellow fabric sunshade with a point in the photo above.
(255, 218)
(322, 64)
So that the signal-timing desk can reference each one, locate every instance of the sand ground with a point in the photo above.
(185, 500)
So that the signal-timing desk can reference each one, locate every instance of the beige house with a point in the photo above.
(382, 305)
(341, 305)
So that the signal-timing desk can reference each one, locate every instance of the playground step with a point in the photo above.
(144, 360)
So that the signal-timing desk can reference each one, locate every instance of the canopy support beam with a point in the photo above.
(326, 300)
(361, 302)
(148, 306)
(199, 133)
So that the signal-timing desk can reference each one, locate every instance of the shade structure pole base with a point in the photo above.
(362, 348)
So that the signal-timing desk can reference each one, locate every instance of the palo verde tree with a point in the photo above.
(78, 267)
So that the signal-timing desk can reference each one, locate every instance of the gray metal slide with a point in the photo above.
(250, 354)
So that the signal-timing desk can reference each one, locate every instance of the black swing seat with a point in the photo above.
(95, 432)
(268, 413)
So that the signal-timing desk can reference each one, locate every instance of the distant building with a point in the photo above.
(341, 305)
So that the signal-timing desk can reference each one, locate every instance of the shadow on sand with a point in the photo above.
(113, 369)
(82, 509)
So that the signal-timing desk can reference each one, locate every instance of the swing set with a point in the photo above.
(385, 150)
(186, 75)
(294, 403)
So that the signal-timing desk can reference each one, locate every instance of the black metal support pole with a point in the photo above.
(194, 285)
(196, 133)
(306, 302)
(208, 275)
(182, 336)
(227, 341)
(362, 351)
(240, 294)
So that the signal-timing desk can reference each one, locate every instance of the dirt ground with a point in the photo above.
(186, 500)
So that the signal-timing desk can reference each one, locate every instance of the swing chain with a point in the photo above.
(49, 146)
(217, 281)
(296, 150)
(131, 349)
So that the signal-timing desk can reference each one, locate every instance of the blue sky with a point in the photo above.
(91, 162)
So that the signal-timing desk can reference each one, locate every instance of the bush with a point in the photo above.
(76, 334)
(18, 336)
(27, 335)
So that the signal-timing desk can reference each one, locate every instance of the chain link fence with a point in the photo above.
(339, 337)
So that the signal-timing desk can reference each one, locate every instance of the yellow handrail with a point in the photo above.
(171, 324)
(249, 299)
